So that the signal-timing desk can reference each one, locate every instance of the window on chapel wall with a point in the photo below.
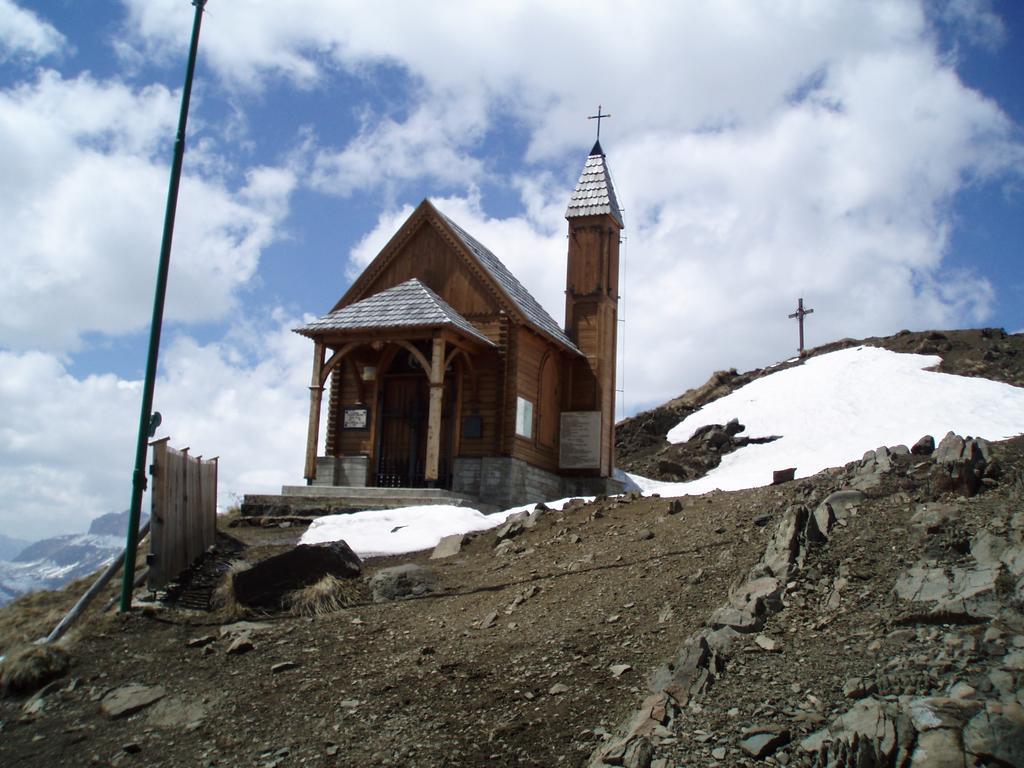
(547, 420)
(524, 417)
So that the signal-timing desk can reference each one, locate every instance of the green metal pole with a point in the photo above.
(146, 416)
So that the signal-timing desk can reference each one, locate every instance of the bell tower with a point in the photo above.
(592, 296)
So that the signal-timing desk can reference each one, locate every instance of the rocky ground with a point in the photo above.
(783, 625)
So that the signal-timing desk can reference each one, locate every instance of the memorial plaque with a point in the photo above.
(357, 417)
(473, 426)
(580, 440)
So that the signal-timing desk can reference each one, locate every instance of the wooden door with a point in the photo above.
(402, 446)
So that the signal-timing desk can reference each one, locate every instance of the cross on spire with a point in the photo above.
(799, 315)
(599, 117)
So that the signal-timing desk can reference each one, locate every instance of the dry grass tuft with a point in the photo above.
(328, 595)
(223, 600)
(30, 667)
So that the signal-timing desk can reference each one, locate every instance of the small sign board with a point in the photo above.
(355, 417)
(580, 440)
(473, 426)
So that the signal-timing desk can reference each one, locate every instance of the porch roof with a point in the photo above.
(408, 305)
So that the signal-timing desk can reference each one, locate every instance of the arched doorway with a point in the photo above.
(403, 411)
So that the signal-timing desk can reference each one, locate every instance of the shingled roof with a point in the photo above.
(524, 301)
(594, 193)
(408, 305)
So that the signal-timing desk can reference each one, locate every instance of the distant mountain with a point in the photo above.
(53, 562)
(10, 547)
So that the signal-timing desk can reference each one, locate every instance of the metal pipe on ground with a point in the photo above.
(90, 594)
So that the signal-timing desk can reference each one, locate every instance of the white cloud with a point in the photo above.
(80, 231)
(429, 144)
(67, 442)
(975, 20)
(24, 34)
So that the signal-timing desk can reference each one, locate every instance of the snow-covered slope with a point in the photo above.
(826, 412)
(833, 408)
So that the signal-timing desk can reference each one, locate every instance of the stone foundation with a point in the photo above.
(349, 471)
(506, 482)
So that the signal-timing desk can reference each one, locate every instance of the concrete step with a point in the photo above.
(317, 500)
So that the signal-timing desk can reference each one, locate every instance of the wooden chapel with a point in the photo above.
(443, 371)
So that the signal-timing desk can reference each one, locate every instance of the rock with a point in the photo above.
(780, 476)
(514, 525)
(176, 712)
(939, 748)
(959, 465)
(859, 687)
(645, 535)
(243, 628)
(129, 699)
(488, 621)
(718, 753)
(934, 517)
(694, 670)
(749, 604)
(200, 642)
(996, 736)
(674, 507)
(131, 748)
(506, 547)
(448, 546)
(402, 582)
(763, 741)
(266, 584)
(558, 689)
(924, 447)
(934, 712)
(961, 591)
(282, 666)
(766, 643)
(240, 644)
(842, 503)
(618, 670)
(784, 548)
(870, 719)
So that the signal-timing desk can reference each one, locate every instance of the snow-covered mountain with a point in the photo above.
(51, 563)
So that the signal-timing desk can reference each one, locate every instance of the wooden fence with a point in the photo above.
(184, 518)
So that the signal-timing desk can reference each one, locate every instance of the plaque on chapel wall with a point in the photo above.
(580, 440)
(355, 417)
(472, 426)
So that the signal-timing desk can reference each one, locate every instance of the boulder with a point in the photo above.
(514, 525)
(955, 590)
(996, 735)
(448, 546)
(266, 583)
(128, 699)
(762, 741)
(924, 447)
(402, 582)
(783, 550)
(960, 465)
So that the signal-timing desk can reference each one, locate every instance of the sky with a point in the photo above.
(850, 410)
(868, 157)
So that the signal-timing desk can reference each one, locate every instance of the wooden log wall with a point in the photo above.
(184, 511)
(534, 360)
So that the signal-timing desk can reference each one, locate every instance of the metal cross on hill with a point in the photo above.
(799, 315)
(599, 117)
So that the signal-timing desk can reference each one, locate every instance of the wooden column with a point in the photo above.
(316, 391)
(434, 414)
